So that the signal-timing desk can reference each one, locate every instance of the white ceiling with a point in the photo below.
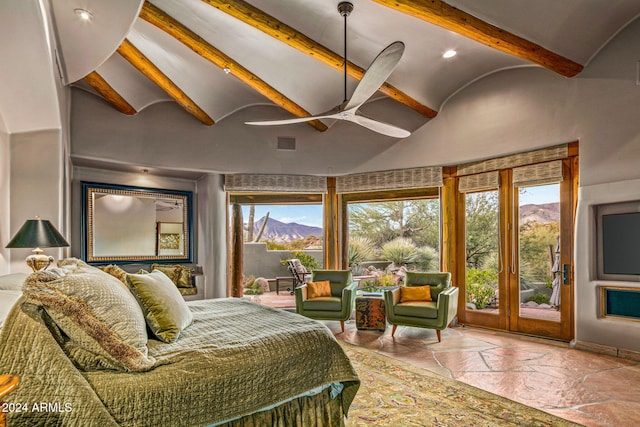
(576, 29)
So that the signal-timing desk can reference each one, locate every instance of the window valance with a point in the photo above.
(390, 180)
(275, 183)
(515, 160)
(479, 182)
(538, 174)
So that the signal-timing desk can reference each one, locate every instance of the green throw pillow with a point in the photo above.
(164, 308)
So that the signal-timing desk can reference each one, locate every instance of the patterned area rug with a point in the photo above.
(396, 394)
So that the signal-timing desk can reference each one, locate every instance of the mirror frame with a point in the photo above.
(90, 188)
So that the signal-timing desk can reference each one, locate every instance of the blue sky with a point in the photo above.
(540, 194)
(301, 214)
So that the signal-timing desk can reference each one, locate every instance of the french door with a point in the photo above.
(517, 245)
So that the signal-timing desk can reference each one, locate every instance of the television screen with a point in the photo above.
(621, 243)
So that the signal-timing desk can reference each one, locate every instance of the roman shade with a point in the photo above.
(538, 174)
(479, 182)
(275, 183)
(515, 160)
(390, 180)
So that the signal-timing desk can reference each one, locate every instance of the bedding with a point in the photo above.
(235, 359)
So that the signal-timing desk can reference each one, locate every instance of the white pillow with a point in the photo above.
(7, 299)
(12, 281)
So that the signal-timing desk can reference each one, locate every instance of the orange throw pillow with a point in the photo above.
(415, 293)
(318, 289)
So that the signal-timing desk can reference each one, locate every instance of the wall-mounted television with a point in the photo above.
(618, 241)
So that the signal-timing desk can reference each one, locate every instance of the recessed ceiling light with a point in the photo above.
(449, 54)
(227, 70)
(85, 15)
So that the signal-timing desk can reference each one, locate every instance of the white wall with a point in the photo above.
(36, 187)
(212, 234)
(5, 200)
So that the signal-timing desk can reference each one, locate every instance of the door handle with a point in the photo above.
(565, 274)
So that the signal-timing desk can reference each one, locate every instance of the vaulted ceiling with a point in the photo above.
(216, 57)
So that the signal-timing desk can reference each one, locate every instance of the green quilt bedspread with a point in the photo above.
(236, 358)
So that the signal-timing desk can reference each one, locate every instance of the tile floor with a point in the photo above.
(584, 387)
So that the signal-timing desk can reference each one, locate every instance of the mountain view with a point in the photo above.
(282, 232)
(545, 213)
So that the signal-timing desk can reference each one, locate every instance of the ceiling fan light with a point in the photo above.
(449, 54)
(85, 15)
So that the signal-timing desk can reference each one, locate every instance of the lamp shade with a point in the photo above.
(37, 233)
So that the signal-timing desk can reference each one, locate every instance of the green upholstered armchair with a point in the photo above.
(436, 314)
(336, 307)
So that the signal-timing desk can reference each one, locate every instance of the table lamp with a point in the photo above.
(38, 233)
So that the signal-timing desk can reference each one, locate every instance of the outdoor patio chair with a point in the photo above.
(338, 305)
(299, 272)
(403, 308)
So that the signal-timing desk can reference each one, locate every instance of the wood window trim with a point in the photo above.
(275, 198)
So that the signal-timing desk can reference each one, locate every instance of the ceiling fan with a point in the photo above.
(377, 73)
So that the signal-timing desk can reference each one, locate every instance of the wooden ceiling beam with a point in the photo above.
(149, 69)
(101, 86)
(160, 19)
(439, 13)
(268, 24)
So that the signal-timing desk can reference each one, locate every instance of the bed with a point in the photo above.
(235, 363)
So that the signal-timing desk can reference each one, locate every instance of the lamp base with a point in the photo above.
(37, 261)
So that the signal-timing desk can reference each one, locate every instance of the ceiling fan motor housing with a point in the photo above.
(345, 8)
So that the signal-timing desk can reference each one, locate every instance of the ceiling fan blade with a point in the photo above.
(377, 126)
(377, 73)
(294, 120)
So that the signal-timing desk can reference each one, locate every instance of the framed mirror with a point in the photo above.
(123, 224)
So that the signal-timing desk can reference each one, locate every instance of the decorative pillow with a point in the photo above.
(179, 274)
(318, 289)
(115, 271)
(166, 312)
(8, 297)
(102, 319)
(12, 281)
(415, 293)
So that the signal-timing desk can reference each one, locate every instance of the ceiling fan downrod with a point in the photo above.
(345, 8)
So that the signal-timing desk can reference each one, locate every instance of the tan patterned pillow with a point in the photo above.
(179, 274)
(115, 271)
(102, 319)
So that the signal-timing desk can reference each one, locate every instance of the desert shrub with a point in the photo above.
(486, 277)
(384, 280)
(275, 246)
(248, 280)
(401, 251)
(540, 298)
(479, 294)
(254, 289)
(360, 249)
(305, 259)
(426, 258)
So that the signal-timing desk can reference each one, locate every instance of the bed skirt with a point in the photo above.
(319, 410)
